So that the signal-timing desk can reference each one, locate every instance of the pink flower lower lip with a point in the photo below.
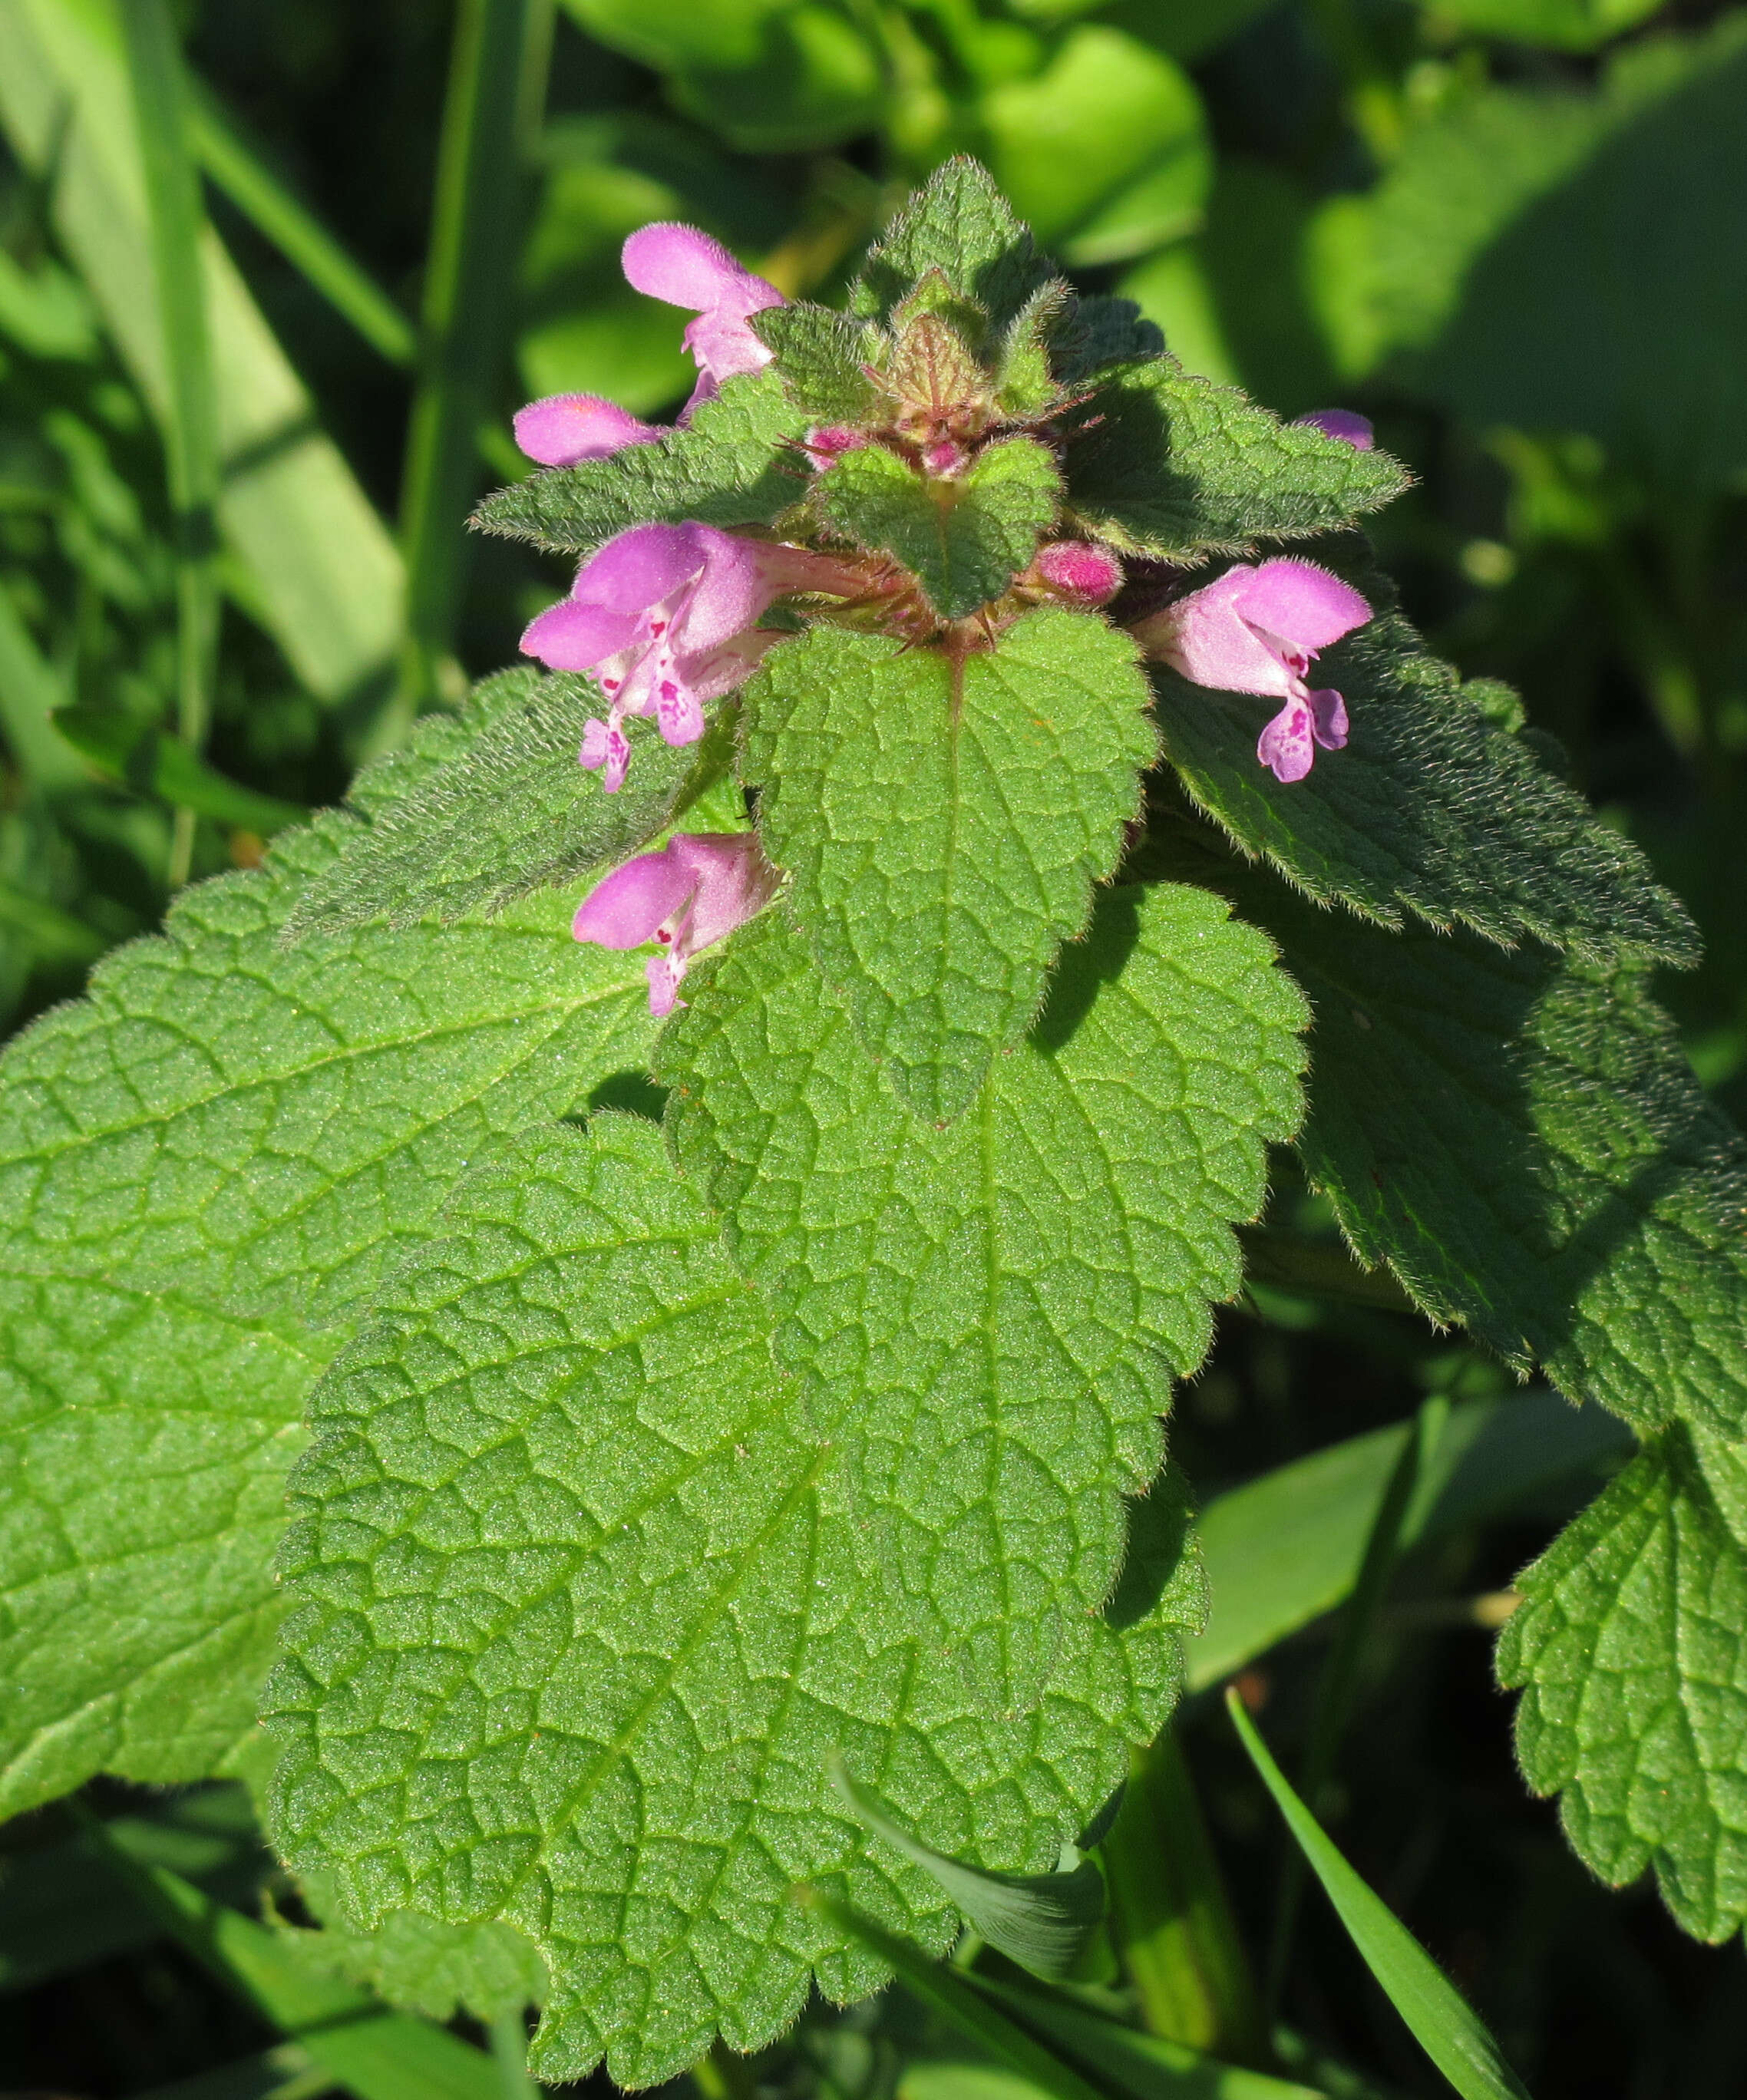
(665, 617)
(684, 266)
(565, 429)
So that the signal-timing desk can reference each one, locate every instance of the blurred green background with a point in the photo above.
(1512, 231)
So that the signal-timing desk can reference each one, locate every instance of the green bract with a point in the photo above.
(477, 812)
(734, 466)
(943, 820)
(964, 550)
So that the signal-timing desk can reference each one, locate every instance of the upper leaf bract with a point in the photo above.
(1429, 809)
(960, 224)
(942, 821)
(1162, 463)
(735, 464)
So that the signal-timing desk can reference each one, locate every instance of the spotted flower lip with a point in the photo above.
(690, 894)
(1257, 629)
(665, 617)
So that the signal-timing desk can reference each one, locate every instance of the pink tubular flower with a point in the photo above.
(1255, 630)
(565, 428)
(663, 615)
(686, 268)
(695, 891)
(1341, 423)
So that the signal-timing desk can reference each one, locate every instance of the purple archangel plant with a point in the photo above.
(666, 1489)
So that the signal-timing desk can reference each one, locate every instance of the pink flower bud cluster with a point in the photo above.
(665, 616)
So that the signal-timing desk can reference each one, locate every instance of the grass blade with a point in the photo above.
(29, 692)
(1171, 1921)
(175, 220)
(323, 576)
(1139, 2066)
(284, 2073)
(1283, 1548)
(56, 935)
(1443, 2022)
(1042, 1921)
(1339, 1679)
(374, 2053)
(157, 765)
(294, 230)
(510, 2053)
(496, 87)
(957, 2001)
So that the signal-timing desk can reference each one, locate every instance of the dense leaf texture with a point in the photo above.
(224, 1147)
(1630, 1645)
(508, 809)
(1100, 330)
(942, 824)
(738, 464)
(418, 1963)
(964, 540)
(1429, 809)
(961, 224)
(1161, 462)
(1525, 1144)
(986, 1317)
(822, 356)
(582, 1621)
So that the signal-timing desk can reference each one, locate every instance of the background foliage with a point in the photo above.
(1511, 231)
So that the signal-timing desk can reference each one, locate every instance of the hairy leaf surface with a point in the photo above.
(942, 825)
(821, 355)
(964, 540)
(502, 807)
(1524, 1142)
(1161, 462)
(418, 1963)
(1629, 1646)
(959, 223)
(1429, 809)
(582, 1621)
(221, 1149)
(1096, 329)
(986, 1317)
(738, 463)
